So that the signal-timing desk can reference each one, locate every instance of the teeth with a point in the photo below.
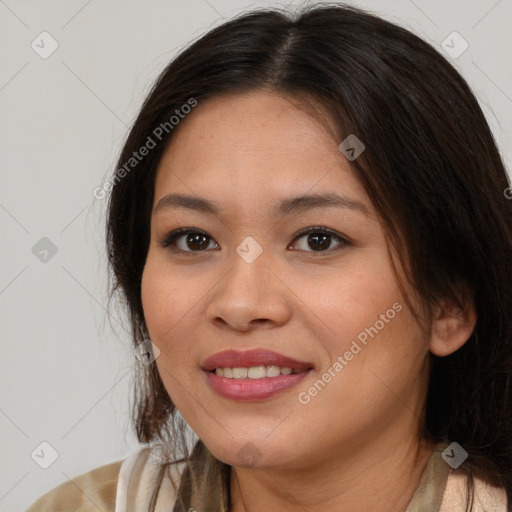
(239, 373)
(273, 371)
(254, 372)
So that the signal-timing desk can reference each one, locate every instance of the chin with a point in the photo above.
(249, 452)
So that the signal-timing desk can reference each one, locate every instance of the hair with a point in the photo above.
(431, 168)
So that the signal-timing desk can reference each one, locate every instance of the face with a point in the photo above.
(250, 276)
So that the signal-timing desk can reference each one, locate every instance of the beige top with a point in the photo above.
(128, 486)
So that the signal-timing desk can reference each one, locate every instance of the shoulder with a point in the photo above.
(87, 492)
(127, 485)
(488, 498)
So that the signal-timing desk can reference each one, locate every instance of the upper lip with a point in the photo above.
(248, 358)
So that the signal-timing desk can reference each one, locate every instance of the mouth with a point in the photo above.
(253, 374)
(254, 360)
(247, 389)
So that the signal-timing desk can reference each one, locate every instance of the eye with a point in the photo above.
(320, 239)
(187, 240)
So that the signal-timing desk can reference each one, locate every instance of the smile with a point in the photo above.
(247, 389)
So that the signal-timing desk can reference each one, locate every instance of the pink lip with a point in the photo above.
(252, 389)
(246, 390)
(248, 358)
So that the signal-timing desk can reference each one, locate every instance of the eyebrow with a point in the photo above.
(285, 207)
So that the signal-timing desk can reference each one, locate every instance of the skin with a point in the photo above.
(247, 152)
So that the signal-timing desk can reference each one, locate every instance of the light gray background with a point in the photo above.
(65, 373)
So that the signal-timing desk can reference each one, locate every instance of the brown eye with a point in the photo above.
(187, 240)
(315, 239)
(196, 241)
(320, 240)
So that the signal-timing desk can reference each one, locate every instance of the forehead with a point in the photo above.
(255, 144)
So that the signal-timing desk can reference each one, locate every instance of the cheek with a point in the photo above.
(173, 300)
(361, 317)
(168, 308)
(347, 301)
(165, 299)
(154, 298)
(359, 313)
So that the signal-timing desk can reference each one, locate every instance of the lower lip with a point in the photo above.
(253, 389)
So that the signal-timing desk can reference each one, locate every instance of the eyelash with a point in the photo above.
(168, 240)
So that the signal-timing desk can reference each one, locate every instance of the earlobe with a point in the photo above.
(451, 328)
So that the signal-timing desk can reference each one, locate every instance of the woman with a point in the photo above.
(309, 228)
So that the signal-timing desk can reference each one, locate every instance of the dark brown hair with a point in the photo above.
(431, 168)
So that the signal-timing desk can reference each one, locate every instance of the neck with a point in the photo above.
(382, 475)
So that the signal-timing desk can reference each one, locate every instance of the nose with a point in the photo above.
(250, 295)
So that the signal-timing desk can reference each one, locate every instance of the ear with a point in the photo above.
(451, 328)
